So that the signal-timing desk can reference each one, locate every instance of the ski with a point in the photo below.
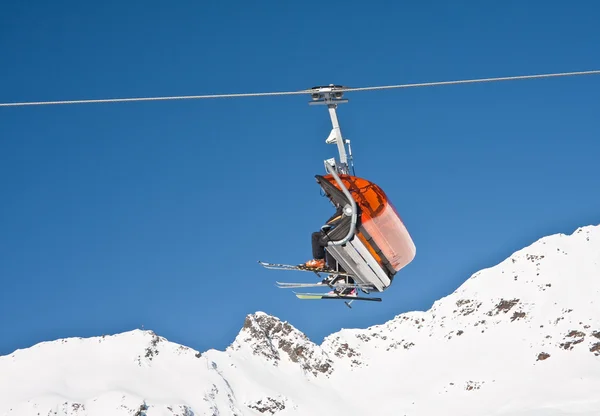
(321, 296)
(285, 285)
(277, 266)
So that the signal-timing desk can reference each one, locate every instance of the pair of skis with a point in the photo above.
(319, 296)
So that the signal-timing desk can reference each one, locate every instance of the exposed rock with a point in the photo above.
(473, 385)
(503, 306)
(268, 405)
(273, 339)
(517, 315)
(542, 356)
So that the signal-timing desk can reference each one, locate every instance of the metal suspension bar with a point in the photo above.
(331, 97)
(353, 213)
(336, 131)
(351, 164)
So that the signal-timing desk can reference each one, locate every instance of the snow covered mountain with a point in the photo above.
(520, 338)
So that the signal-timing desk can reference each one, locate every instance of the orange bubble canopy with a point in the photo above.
(380, 220)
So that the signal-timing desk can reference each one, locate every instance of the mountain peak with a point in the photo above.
(275, 341)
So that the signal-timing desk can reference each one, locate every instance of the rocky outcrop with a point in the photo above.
(273, 340)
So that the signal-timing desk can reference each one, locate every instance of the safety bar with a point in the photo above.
(344, 240)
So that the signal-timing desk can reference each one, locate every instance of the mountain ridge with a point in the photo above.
(506, 341)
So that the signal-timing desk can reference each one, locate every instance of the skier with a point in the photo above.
(319, 242)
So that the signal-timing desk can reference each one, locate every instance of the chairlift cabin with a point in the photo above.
(371, 242)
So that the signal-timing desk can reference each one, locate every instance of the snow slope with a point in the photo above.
(520, 338)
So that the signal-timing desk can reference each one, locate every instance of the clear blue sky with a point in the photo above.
(114, 216)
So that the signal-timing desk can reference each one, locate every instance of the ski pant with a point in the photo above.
(318, 250)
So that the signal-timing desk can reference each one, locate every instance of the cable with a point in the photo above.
(470, 81)
(308, 91)
(183, 97)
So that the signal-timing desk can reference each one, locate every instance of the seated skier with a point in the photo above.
(319, 241)
(322, 259)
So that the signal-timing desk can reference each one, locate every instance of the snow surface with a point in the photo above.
(521, 338)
